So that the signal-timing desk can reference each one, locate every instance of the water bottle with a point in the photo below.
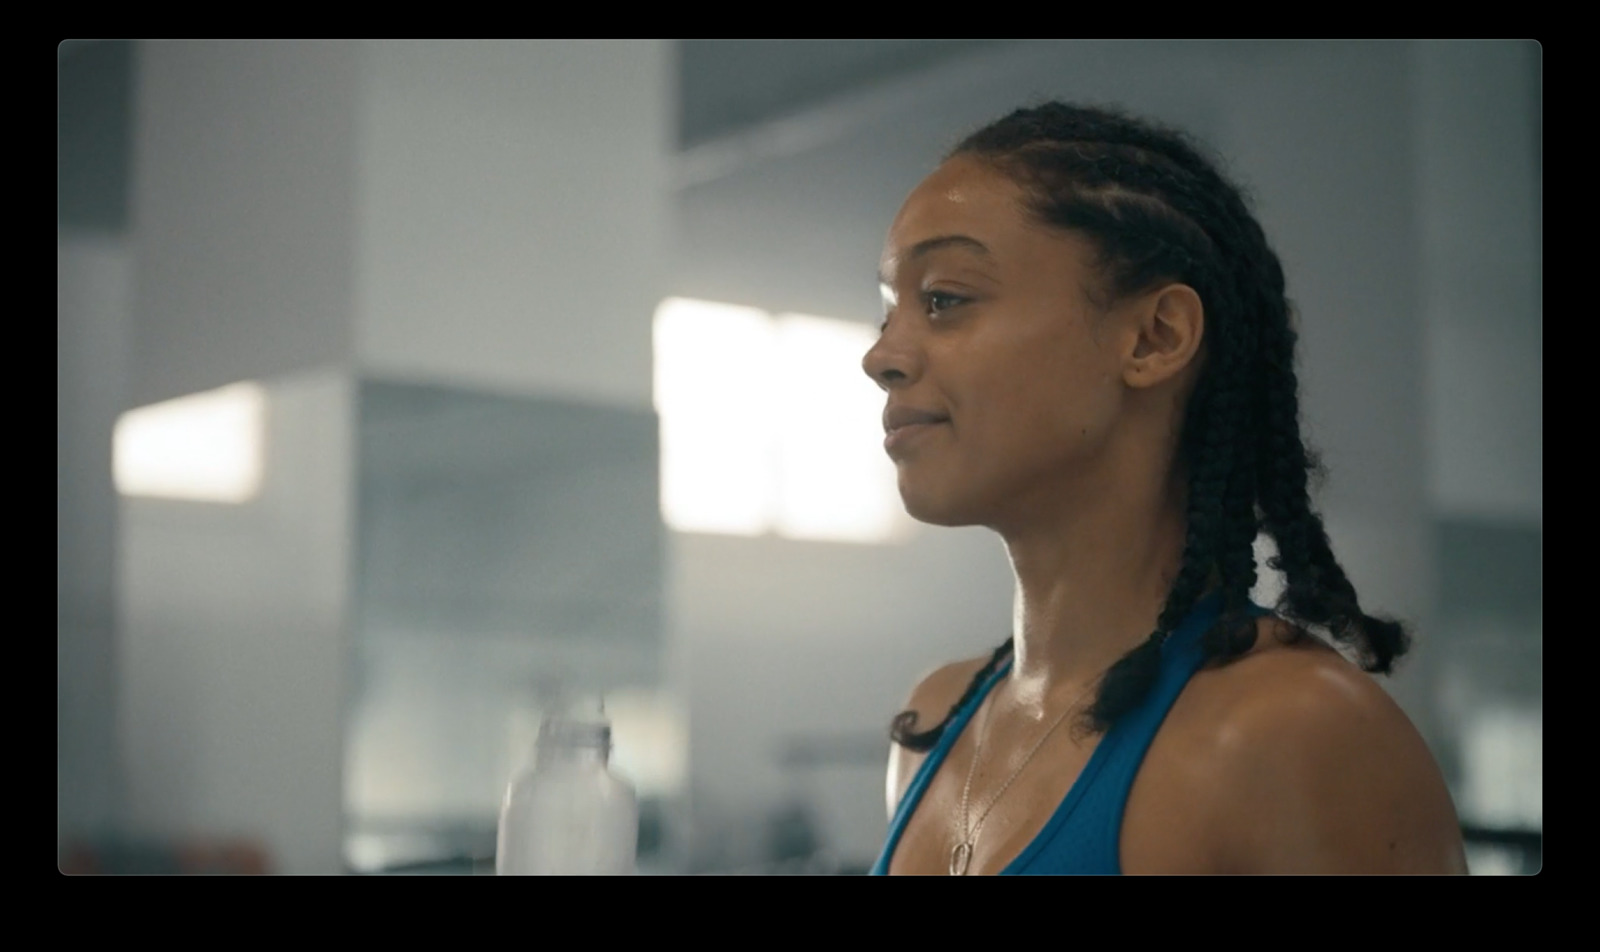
(569, 814)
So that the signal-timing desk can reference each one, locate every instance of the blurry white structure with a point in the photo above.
(769, 425)
(204, 447)
(835, 481)
(713, 363)
(650, 731)
(1504, 767)
(424, 213)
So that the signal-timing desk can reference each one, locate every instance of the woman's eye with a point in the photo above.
(938, 301)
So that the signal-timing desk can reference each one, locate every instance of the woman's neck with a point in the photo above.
(1091, 584)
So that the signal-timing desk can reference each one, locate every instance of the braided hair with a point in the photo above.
(1158, 210)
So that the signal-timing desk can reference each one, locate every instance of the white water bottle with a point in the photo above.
(568, 814)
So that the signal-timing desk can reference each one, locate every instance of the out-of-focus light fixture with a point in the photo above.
(769, 425)
(205, 447)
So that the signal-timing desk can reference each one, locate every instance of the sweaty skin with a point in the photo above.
(1288, 760)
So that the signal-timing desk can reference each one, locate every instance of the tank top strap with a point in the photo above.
(930, 767)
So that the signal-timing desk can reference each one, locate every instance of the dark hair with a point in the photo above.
(1158, 210)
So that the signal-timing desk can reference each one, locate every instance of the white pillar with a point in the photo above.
(306, 214)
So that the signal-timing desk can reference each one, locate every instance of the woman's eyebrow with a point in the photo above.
(929, 245)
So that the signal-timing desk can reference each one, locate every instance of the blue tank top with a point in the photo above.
(1084, 833)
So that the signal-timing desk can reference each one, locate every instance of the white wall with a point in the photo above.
(242, 212)
(233, 643)
(1478, 176)
(512, 221)
(488, 213)
(231, 619)
(1479, 183)
(303, 213)
(94, 279)
(512, 213)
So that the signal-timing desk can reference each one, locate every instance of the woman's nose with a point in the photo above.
(893, 360)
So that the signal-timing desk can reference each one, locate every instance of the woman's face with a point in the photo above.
(1003, 379)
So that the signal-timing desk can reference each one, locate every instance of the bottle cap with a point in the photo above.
(576, 721)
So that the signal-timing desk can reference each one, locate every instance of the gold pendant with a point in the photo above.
(960, 857)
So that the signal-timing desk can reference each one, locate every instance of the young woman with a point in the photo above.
(1088, 350)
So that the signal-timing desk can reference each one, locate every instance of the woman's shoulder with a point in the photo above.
(931, 699)
(1305, 763)
(939, 689)
(1291, 673)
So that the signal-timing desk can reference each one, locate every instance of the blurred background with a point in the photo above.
(399, 383)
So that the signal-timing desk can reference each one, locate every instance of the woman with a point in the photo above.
(1088, 350)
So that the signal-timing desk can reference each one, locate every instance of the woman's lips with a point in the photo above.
(905, 434)
(903, 424)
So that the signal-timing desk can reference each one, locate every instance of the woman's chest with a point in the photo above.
(979, 814)
(1134, 806)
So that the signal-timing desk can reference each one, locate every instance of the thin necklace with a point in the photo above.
(961, 855)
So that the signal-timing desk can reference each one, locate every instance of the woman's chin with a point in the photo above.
(936, 509)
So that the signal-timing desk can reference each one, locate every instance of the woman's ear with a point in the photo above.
(1169, 324)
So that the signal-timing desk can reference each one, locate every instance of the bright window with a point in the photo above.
(769, 425)
(204, 447)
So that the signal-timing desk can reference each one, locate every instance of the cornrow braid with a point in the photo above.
(1157, 209)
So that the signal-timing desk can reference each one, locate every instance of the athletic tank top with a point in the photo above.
(1083, 834)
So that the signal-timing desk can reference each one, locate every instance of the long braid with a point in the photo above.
(1234, 426)
(1158, 210)
(1317, 591)
(902, 732)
